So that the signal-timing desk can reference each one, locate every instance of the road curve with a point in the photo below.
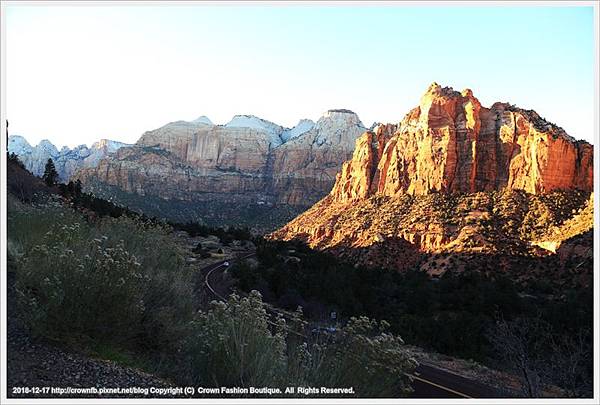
(209, 270)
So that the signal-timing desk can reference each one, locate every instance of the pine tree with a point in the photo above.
(78, 187)
(13, 158)
(50, 174)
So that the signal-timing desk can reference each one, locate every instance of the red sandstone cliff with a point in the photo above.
(450, 143)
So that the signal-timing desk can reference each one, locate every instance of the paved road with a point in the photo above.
(431, 382)
(213, 270)
(428, 381)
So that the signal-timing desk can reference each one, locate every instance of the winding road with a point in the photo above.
(428, 381)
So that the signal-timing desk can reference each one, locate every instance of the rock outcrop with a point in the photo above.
(247, 161)
(450, 143)
(453, 178)
(67, 161)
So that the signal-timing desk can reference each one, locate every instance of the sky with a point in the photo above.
(76, 74)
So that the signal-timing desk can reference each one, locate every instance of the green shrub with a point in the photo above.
(231, 345)
(168, 296)
(365, 357)
(28, 224)
(235, 344)
(71, 286)
(130, 287)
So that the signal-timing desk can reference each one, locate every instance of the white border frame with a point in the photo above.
(112, 3)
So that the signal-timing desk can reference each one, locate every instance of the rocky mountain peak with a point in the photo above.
(340, 114)
(433, 88)
(48, 146)
(66, 160)
(254, 122)
(203, 119)
(245, 162)
(435, 182)
(302, 127)
(18, 144)
(338, 126)
(467, 93)
(108, 145)
(340, 110)
(437, 90)
(101, 143)
(450, 143)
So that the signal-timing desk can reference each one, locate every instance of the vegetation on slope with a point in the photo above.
(117, 281)
(119, 287)
(103, 279)
(214, 213)
(237, 344)
(506, 218)
(502, 231)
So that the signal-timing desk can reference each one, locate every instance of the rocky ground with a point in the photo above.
(529, 237)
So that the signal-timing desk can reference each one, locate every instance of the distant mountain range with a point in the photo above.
(220, 174)
(249, 171)
(67, 161)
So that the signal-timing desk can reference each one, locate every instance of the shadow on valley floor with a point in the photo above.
(474, 309)
(212, 210)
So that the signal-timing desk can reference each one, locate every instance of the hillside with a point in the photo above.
(456, 186)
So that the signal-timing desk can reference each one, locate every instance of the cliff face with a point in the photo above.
(303, 169)
(453, 178)
(66, 161)
(450, 143)
(248, 160)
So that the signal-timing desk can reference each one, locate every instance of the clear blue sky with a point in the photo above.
(77, 74)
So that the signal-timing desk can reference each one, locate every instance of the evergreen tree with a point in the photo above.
(12, 157)
(78, 187)
(50, 174)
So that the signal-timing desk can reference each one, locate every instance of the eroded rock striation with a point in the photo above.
(450, 143)
(246, 161)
